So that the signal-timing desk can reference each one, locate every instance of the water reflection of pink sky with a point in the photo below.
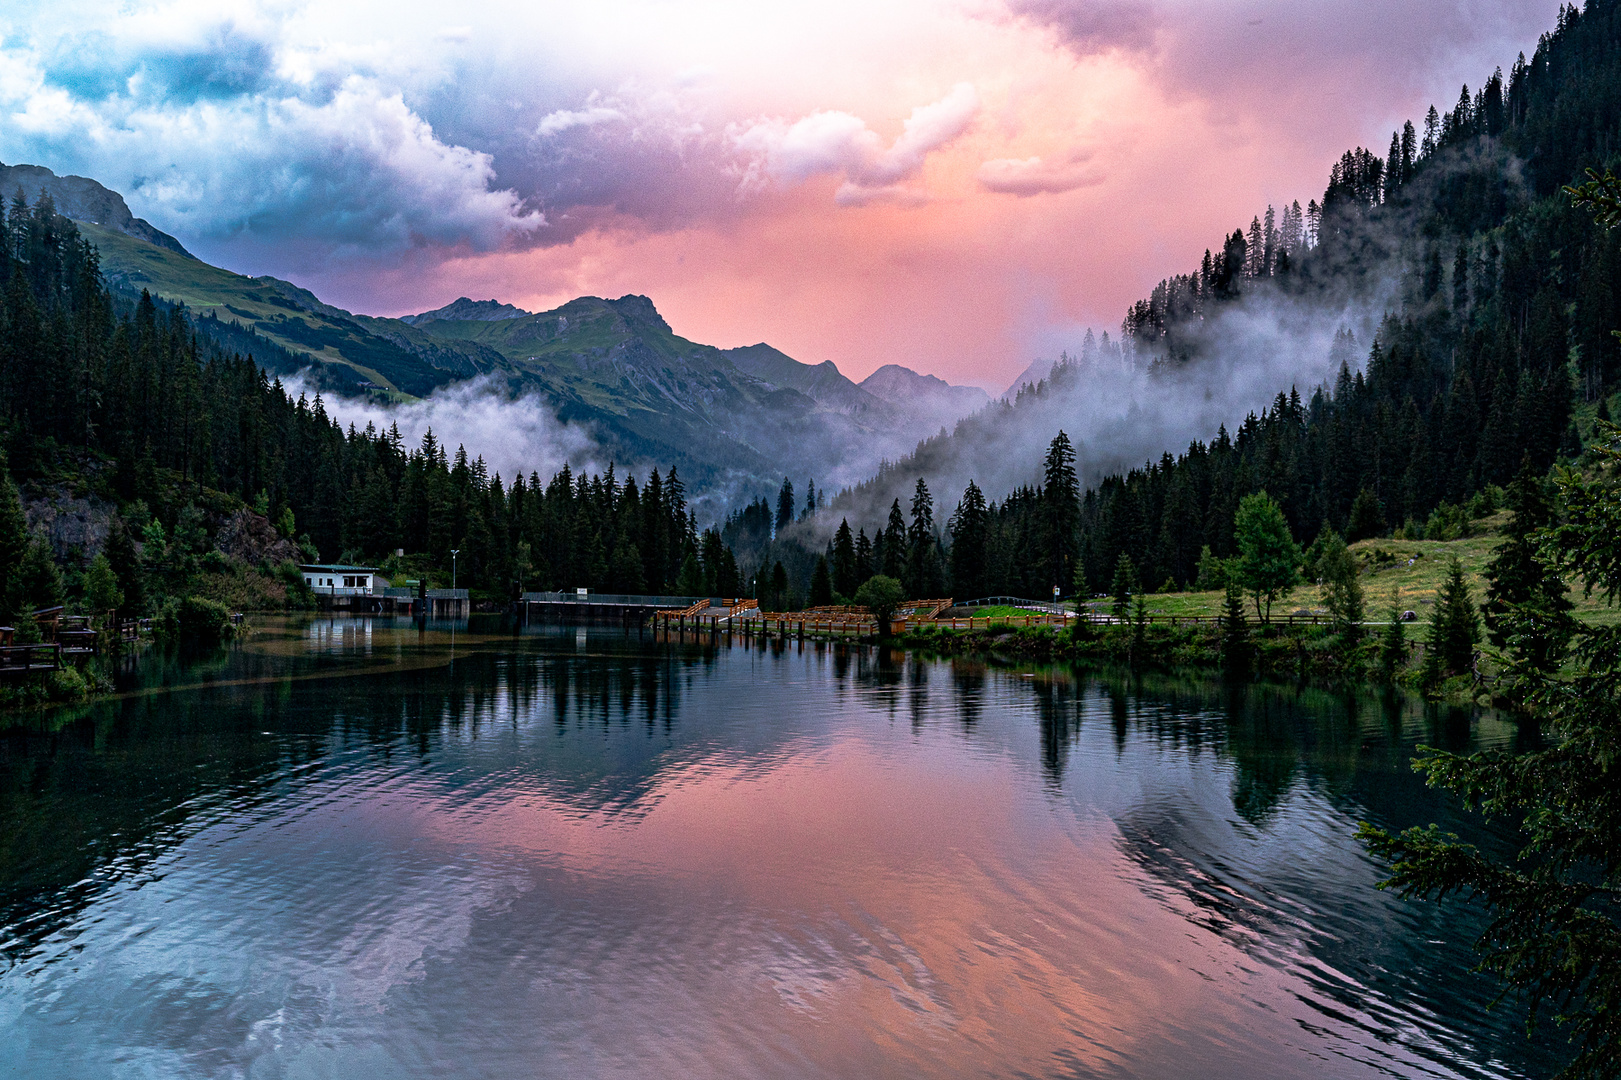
(855, 918)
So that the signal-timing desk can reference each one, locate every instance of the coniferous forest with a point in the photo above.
(660, 812)
(1502, 296)
(129, 401)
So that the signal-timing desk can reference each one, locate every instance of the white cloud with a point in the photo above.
(928, 129)
(830, 143)
(564, 119)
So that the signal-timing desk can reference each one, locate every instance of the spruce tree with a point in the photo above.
(1342, 591)
(969, 535)
(1125, 584)
(844, 561)
(1139, 629)
(785, 505)
(1393, 641)
(1523, 594)
(1061, 505)
(779, 586)
(1367, 519)
(895, 546)
(1455, 631)
(1555, 929)
(821, 585)
(13, 545)
(1235, 631)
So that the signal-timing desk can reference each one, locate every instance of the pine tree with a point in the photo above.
(1455, 631)
(1523, 594)
(1393, 641)
(1139, 629)
(844, 561)
(14, 545)
(1235, 631)
(1342, 592)
(895, 546)
(1555, 930)
(1061, 502)
(785, 505)
(1367, 518)
(1124, 586)
(779, 586)
(821, 585)
(970, 535)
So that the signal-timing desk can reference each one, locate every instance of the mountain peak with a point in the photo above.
(900, 385)
(463, 309)
(83, 199)
(638, 308)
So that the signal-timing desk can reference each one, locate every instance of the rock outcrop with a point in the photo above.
(75, 526)
(250, 538)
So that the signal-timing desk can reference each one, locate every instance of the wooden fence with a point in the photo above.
(854, 621)
(24, 659)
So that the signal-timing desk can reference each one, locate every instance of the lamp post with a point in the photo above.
(453, 552)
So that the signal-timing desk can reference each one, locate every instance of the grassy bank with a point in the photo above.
(1405, 575)
(1408, 573)
(1310, 653)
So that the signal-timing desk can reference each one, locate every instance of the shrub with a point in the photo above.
(193, 623)
(881, 595)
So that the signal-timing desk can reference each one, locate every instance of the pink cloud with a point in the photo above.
(1035, 176)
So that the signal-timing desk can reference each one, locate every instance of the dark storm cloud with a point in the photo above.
(1346, 52)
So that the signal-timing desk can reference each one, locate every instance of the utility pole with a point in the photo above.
(453, 552)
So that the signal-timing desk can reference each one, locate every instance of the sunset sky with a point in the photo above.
(955, 186)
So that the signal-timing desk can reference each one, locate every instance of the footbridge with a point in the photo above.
(583, 606)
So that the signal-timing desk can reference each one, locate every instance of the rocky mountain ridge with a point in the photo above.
(737, 420)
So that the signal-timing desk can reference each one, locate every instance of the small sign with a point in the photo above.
(581, 592)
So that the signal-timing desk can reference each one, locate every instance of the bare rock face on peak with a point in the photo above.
(83, 199)
(924, 395)
(465, 310)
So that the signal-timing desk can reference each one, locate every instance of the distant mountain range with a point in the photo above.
(737, 419)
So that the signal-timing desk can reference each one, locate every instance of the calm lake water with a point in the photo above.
(351, 848)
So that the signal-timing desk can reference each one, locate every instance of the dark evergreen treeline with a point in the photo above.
(130, 400)
(1508, 295)
(1505, 295)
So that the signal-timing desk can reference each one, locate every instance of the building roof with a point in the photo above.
(336, 568)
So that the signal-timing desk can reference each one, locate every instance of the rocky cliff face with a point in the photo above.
(83, 199)
(75, 526)
(250, 538)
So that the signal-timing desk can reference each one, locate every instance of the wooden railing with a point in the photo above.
(987, 621)
(22, 659)
(846, 620)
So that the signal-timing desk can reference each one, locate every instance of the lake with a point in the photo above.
(357, 848)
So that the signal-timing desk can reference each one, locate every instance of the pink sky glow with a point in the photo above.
(955, 186)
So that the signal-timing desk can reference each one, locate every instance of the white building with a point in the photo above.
(337, 580)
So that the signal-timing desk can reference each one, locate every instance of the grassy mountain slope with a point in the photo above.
(347, 349)
(739, 417)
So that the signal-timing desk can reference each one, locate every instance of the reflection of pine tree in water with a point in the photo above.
(1265, 754)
